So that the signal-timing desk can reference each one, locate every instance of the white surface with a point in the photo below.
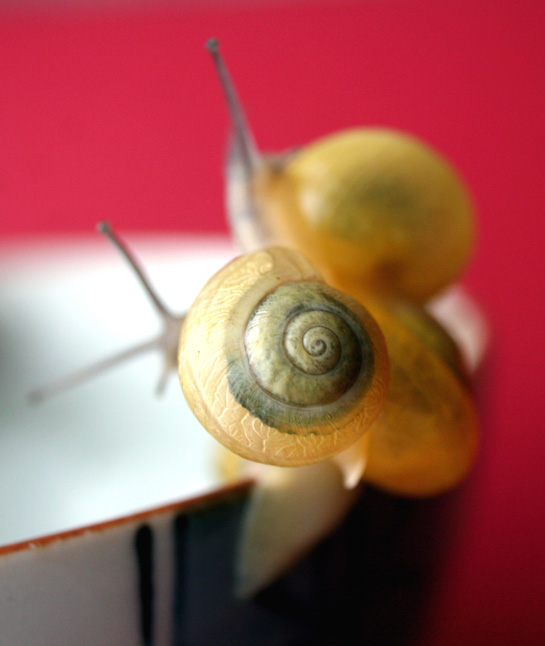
(109, 447)
(84, 591)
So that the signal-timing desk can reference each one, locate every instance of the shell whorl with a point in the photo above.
(278, 366)
(304, 350)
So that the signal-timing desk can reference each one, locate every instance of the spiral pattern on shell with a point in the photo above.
(278, 366)
(302, 349)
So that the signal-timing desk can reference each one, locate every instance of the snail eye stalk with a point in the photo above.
(166, 341)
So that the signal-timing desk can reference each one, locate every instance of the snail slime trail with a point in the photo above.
(305, 351)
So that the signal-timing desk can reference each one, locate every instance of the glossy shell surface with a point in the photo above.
(375, 208)
(279, 367)
(425, 439)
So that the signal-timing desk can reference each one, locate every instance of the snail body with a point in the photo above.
(278, 366)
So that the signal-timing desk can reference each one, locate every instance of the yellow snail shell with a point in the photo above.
(278, 366)
(372, 209)
(425, 439)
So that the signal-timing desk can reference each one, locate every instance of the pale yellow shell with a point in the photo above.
(251, 384)
(426, 437)
(372, 209)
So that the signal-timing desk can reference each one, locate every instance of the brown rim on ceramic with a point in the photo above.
(223, 494)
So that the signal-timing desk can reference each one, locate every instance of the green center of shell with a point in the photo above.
(305, 358)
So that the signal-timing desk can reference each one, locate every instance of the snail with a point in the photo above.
(408, 336)
(388, 221)
(276, 365)
(414, 437)
(311, 350)
(238, 334)
(373, 209)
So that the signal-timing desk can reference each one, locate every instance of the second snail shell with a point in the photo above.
(425, 439)
(279, 367)
(372, 209)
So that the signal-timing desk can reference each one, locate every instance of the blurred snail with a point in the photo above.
(425, 440)
(371, 208)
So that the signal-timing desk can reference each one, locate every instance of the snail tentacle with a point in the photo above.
(166, 341)
(242, 140)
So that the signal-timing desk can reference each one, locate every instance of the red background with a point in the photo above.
(114, 112)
